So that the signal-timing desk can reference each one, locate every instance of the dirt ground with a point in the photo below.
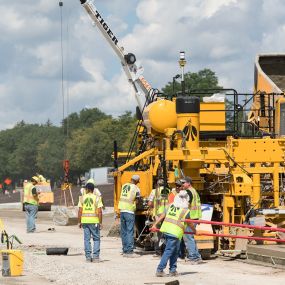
(42, 269)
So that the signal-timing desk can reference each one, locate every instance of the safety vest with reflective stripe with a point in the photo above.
(160, 200)
(95, 192)
(195, 206)
(90, 209)
(28, 195)
(128, 197)
(172, 223)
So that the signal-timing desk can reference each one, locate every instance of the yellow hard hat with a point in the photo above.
(36, 178)
(91, 180)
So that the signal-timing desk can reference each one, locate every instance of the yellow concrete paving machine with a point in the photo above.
(232, 145)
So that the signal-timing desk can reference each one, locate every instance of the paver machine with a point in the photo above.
(232, 145)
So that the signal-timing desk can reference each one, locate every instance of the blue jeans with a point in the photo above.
(91, 230)
(31, 214)
(127, 231)
(191, 246)
(170, 253)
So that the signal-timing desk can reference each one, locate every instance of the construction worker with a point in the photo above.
(127, 205)
(175, 191)
(31, 203)
(158, 198)
(193, 256)
(158, 203)
(41, 178)
(90, 219)
(173, 229)
(95, 192)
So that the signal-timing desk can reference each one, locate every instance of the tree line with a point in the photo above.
(85, 139)
(28, 149)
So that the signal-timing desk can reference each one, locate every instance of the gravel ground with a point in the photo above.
(42, 269)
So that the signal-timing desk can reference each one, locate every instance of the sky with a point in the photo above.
(223, 35)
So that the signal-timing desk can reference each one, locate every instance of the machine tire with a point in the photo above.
(205, 253)
(57, 251)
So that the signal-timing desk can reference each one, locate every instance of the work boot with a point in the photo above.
(172, 274)
(96, 260)
(89, 260)
(195, 261)
(160, 274)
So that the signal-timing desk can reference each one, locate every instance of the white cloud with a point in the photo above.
(48, 58)
(224, 35)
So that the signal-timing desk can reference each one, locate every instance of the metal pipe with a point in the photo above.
(239, 237)
(235, 225)
(231, 236)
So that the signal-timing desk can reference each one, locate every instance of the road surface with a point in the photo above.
(42, 269)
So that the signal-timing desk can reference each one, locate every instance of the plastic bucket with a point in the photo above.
(12, 262)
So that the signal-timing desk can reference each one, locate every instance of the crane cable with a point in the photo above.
(61, 49)
(65, 105)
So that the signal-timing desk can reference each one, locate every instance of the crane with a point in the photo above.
(128, 60)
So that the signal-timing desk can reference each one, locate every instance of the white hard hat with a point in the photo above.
(136, 177)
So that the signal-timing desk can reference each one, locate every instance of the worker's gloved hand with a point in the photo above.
(153, 229)
(100, 226)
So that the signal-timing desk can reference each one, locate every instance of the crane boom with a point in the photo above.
(133, 73)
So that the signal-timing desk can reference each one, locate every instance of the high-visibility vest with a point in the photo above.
(90, 209)
(172, 223)
(195, 205)
(96, 192)
(160, 200)
(128, 197)
(28, 195)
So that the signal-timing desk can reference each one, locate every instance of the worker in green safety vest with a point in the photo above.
(158, 198)
(90, 219)
(173, 228)
(194, 257)
(31, 203)
(130, 193)
(158, 203)
(96, 191)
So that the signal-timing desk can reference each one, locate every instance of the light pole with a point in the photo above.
(182, 63)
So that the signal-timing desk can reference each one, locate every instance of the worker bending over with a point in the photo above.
(173, 229)
(90, 219)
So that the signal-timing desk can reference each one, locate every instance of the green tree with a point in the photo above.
(30, 148)
(203, 79)
(84, 119)
(50, 154)
(92, 147)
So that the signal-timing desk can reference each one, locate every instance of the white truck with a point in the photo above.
(101, 175)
